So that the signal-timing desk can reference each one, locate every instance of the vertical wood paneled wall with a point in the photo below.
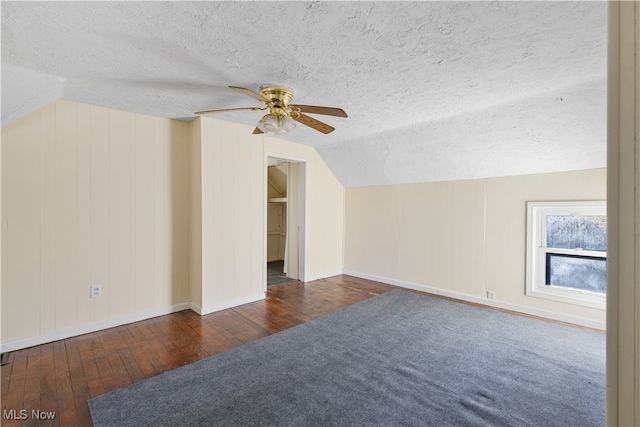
(165, 215)
(231, 223)
(92, 196)
(195, 211)
(460, 238)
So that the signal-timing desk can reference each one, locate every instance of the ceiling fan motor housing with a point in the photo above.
(280, 96)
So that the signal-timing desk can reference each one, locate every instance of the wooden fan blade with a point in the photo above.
(251, 93)
(313, 123)
(229, 109)
(327, 111)
(257, 131)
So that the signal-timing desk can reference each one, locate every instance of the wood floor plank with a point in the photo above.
(14, 402)
(78, 379)
(133, 369)
(5, 377)
(32, 380)
(66, 409)
(85, 348)
(119, 370)
(48, 392)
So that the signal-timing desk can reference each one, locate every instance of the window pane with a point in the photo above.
(571, 232)
(576, 272)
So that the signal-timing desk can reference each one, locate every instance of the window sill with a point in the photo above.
(568, 296)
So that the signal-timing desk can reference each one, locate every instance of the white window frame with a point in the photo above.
(537, 251)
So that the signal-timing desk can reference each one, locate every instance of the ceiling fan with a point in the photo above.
(282, 115)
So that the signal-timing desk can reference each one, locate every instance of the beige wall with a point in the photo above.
(92, 196)
(195, 222)
(231, 230)
(165, 215)
(228, 213)
(461, 238)
(324, 209)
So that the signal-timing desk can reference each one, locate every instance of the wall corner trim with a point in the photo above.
(195, 308)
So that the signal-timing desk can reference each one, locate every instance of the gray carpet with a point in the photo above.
(276, 276)
(399, 359)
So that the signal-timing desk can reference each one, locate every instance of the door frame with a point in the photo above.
(303, 171)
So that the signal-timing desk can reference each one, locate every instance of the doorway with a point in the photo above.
(285, 213)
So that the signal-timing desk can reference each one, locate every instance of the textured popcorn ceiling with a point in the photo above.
(434, 90)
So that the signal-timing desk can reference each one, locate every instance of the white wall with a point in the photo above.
(461, 238)
(91, 196)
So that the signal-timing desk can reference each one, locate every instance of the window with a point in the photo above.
(567, 252)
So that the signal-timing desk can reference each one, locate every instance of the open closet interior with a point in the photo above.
(277, 248)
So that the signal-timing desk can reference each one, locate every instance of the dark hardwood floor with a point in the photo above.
(61, 376)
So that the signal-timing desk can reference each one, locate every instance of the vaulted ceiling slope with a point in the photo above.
(434, 90)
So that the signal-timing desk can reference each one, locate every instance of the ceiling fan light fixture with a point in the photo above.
(287, 124)
(269, 124)
(273, 124)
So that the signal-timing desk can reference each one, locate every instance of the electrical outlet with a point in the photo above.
(96, 291)
(491, 295)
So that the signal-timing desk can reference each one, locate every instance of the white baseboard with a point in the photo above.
(229, 304)
(582, 321)
(73, 332)
(196, 308)
(322, 276)
(60, 335)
